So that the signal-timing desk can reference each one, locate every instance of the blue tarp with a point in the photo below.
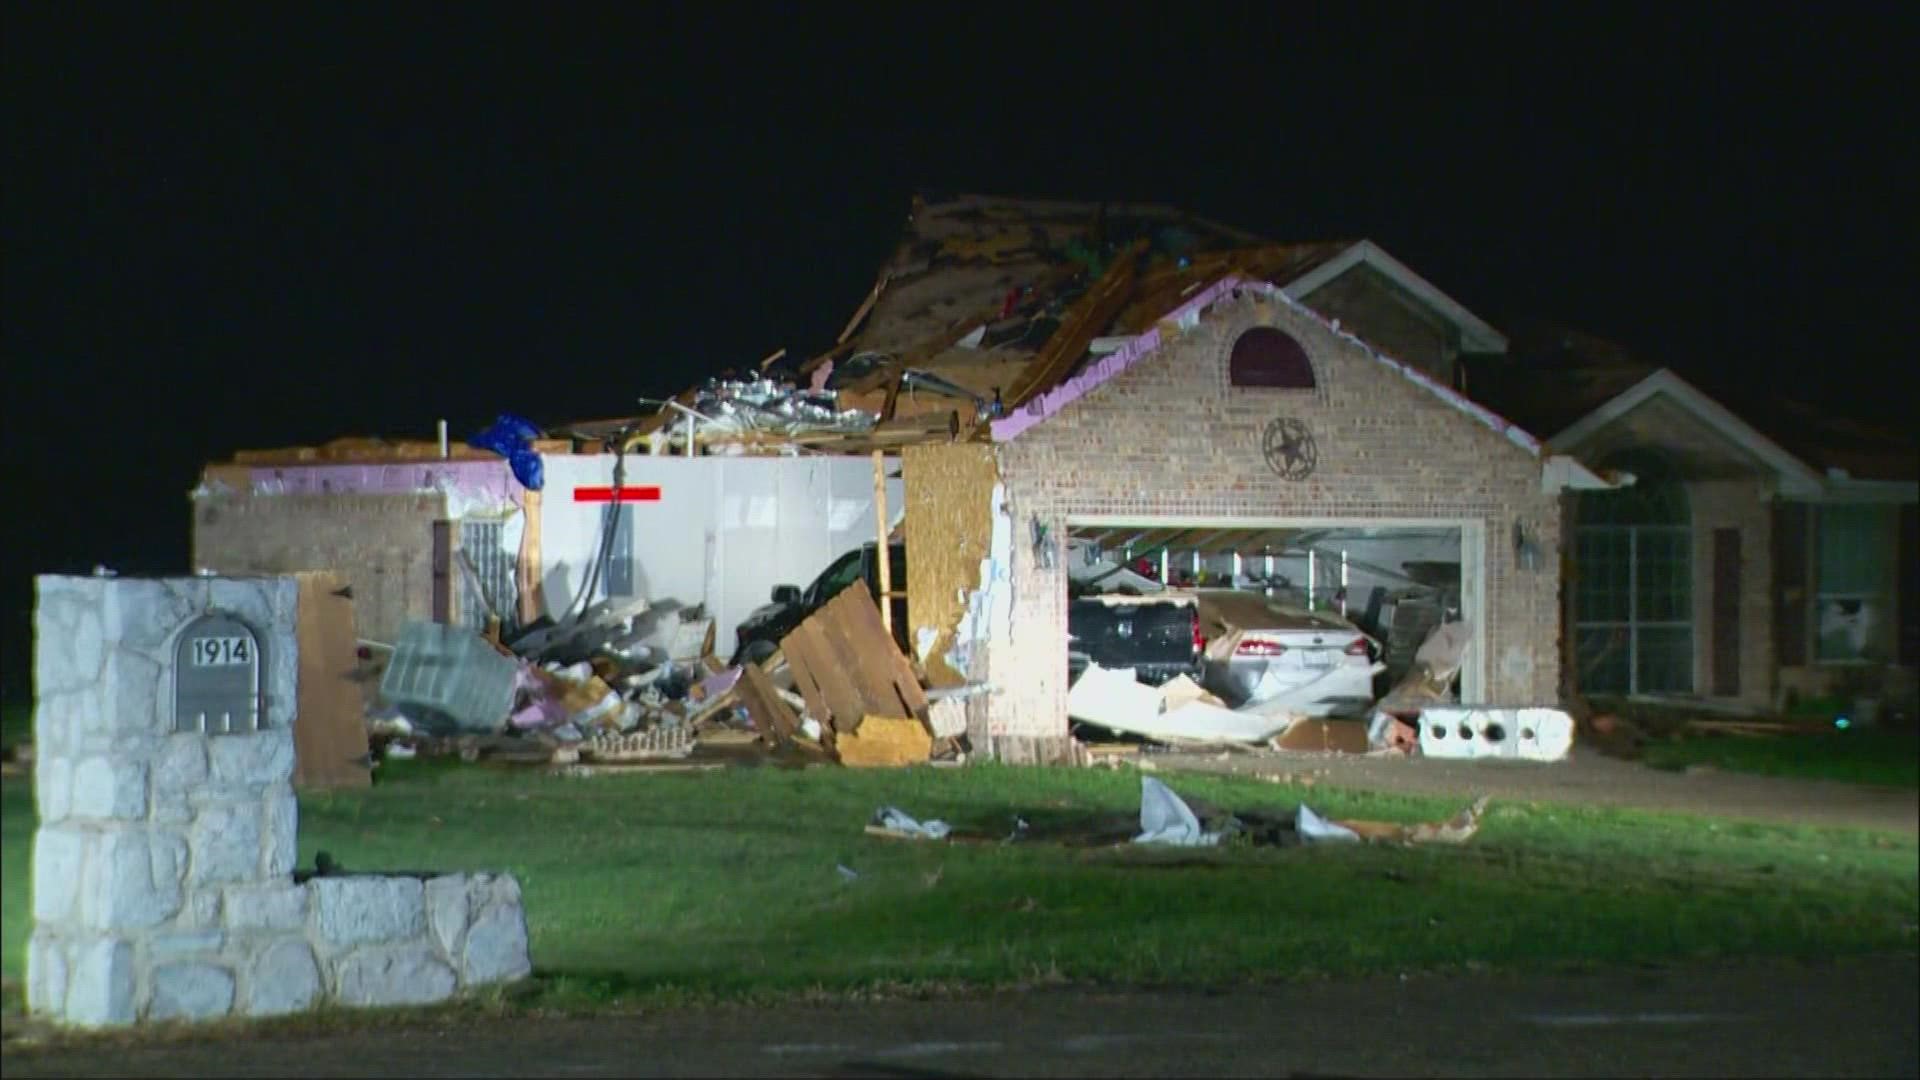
(512, 438)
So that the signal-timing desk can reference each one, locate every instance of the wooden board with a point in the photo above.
(826, 666)
(949, 490)
(847, 666)
(891, 675)
(771, 716)
(800, 661)
(857, 659)
(330, 726)
(527, 570)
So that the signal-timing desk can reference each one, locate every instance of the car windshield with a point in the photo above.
(844, 572)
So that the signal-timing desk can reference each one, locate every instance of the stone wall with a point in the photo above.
(1169, 438)
(163, 882)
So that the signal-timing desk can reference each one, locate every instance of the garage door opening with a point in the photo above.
(1328, 614)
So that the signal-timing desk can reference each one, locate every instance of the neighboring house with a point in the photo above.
(1756, 559)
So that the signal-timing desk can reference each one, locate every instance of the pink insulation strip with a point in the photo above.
(489, 479)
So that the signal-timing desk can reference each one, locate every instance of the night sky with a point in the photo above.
(282, 225)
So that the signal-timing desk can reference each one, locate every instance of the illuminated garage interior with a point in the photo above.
(1395, 580)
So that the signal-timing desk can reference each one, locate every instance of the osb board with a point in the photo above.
(883, 742)
(330, 728)
(949, 525)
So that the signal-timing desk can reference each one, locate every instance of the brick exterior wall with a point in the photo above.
(1743, 505)
(1170, 437)
(382, 545)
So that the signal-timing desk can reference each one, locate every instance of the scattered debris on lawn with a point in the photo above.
(1167, 818)
(895, 822)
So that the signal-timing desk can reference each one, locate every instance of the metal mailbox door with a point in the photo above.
(216, 677)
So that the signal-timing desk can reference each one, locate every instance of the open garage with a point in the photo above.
(1393, 580)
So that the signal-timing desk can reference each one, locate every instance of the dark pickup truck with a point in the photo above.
(1159, 637)
(761, 632)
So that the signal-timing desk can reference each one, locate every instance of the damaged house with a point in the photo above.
(1029, 388)
(1187, 398)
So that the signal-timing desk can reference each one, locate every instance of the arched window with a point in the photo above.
(1633, 593)
(1265, 356)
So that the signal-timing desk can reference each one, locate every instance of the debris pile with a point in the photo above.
(638, 685)
(1418, 716)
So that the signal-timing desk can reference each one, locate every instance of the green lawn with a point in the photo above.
(1889, 758)
(725, 883)
(16, 723)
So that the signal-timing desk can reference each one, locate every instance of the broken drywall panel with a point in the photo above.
(988, 609)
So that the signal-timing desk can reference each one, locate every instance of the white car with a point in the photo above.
(1264, 656)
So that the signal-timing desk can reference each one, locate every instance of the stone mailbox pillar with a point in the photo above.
(163, 865)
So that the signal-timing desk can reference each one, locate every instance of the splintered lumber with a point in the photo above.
(636, 768)
(860, 314)
(847, 667)
(883, 554)
(880, 656)
(674, 742)
(819, 665)
(527, 571)
(916, 429)
(885, 742)
(1089, 315)
(771, 716)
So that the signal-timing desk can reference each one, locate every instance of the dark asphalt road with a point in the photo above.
(1842, 1018)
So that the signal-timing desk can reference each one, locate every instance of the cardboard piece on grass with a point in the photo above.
(1457, 829)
